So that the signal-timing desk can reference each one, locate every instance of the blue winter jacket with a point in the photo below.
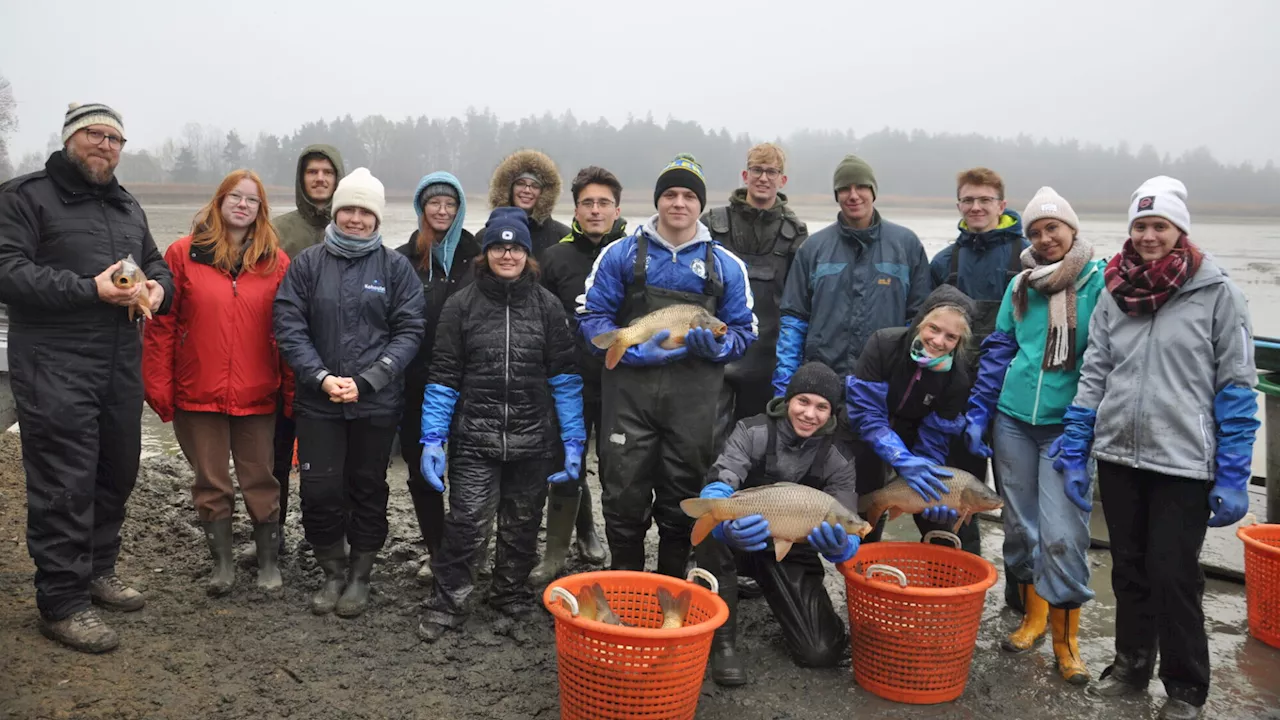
(844, 285)
(673, 269)
(984, 258)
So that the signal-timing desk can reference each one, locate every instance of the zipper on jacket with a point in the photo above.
(1142, 376)
(506, 382)
(1035, 408)
(910, 385)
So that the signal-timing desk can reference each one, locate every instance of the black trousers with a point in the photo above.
(286, 433)
(343, 465)
(1157, 525)
(656, 445)
(79, 412)
(479, 488)
(812, 630)
(428, 505)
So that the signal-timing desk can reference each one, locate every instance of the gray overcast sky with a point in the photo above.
(1174, 73)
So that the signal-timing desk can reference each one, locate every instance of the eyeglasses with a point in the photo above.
(528, 185)
(757, 171)
(515, 251)
(97, 136)
(593, 204)
(236, 198)
(986, 201)
(438, 204)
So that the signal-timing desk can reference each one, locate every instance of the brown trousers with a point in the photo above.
(210, 441)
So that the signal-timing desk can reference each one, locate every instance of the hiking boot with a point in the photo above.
(1066, 628)
(1034, 622)
(1175, 709)
(218, 534)
(84, 631)
(110, 592)
(266, 537)
(355, 598)
(562, 511)
(588, 544)
(748, 588)
(333, 560)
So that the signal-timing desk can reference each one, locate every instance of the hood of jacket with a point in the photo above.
(1009, 228)
(650, 228)
(777, 409)
(315, 216)
(443, 250)
(523, 161)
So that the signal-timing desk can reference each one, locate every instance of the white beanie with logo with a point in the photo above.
(1047, 203)
(360, 189)
(1161, 196)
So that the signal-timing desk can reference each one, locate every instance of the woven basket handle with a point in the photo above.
(948, 536)
(567, 598)
(890, 570)
(706, 577)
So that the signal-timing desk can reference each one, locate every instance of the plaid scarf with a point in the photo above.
(1057, 282)
(1141, 287)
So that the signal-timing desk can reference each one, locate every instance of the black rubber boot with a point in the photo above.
(333, 560)
(562, 510)
(1175, 709)
(674, 557)
(223, 577)
(1127, 675)
(355, 598)
(727, 668)
(266, 537)
(590, 549)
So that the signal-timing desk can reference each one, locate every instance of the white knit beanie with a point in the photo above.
(360, 189)
(1164, 197)
(79, 117)
(1047, 203)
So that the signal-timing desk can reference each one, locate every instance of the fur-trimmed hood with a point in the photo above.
(522, 161)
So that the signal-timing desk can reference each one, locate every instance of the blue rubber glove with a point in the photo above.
(433, 462)
(1071, 455)
(572, 463)
(975, 426)
(1229, 498)
(716, 490)
(834, 543)
(651, 352)
(923, 476)
(748, 534)
(703, 343)
(940, 515)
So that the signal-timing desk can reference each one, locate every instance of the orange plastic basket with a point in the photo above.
(914, 610)
(1262, 580)
(610, 671)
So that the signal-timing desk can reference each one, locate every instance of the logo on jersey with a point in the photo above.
(699, 268)
(376, 286)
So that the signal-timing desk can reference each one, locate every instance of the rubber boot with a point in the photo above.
(727, 668)
(590, 549)
(562, 511)
(674, 557)
(1034, 622)
(355, 598)
(333, 560)
(266, 537)
(223, 577)
(1128, 674)
(1012, 593)
(1175, 709)
(1066, 628)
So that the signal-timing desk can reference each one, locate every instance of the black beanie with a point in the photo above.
(683, 172)
(816, 378)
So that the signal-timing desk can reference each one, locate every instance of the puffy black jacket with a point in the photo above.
(358, 318)
(497, 344)
(437, 287)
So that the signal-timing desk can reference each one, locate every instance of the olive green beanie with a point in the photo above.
(852, 172)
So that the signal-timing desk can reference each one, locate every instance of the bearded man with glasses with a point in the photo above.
(75, 357)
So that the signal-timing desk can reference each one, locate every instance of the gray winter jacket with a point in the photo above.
(1153, 380)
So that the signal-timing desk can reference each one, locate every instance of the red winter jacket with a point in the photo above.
(215, 351)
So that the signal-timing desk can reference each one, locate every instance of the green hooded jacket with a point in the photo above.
(304, 227)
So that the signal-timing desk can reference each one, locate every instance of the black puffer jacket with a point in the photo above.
(497, 345)
(437, 287)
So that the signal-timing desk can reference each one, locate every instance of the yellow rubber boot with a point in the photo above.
(1034, 622)
(1066, 627)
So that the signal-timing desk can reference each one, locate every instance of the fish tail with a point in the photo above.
(605, 339)
(696, 507)
(674, 608)
(703, 528)
(614, 355)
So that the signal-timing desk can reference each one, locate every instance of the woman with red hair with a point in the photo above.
(212, 367)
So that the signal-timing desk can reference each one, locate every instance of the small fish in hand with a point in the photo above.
(129, 275)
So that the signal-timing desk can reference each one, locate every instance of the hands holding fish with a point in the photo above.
(155, 292)
(651, 351)
(703, 343)
(109, 292)
(339, 389)
(923, 476)
(834, 543)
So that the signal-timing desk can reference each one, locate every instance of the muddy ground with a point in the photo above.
(252, 656)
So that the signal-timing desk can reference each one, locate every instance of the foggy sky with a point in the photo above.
(1176, 74)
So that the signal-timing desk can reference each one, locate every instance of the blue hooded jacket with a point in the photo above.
(984, 258)
(443, 250)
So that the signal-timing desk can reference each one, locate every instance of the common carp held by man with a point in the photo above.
(678, 319)
(792, 510)
(965, 493)
(594, 605)
(127, 276)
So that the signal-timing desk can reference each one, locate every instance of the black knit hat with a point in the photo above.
(816, 378)
(683, 172)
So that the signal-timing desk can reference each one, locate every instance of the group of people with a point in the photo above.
(848, 356)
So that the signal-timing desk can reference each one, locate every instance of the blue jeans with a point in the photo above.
(1046, 537)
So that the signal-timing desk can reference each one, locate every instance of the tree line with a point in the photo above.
(912, 164)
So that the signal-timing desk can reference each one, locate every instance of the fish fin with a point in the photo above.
(781, 548)
(674, 606)
(586, 603)
(893, 513)
(673, 341)
(605, 340)
(696, 507)
(614, 355)
(703, 528)
(964, 519)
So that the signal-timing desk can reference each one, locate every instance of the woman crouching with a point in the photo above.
(348, 318)
(1166, 398)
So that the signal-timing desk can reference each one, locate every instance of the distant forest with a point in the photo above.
(907, 164)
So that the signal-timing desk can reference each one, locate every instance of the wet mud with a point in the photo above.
(249, 655)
